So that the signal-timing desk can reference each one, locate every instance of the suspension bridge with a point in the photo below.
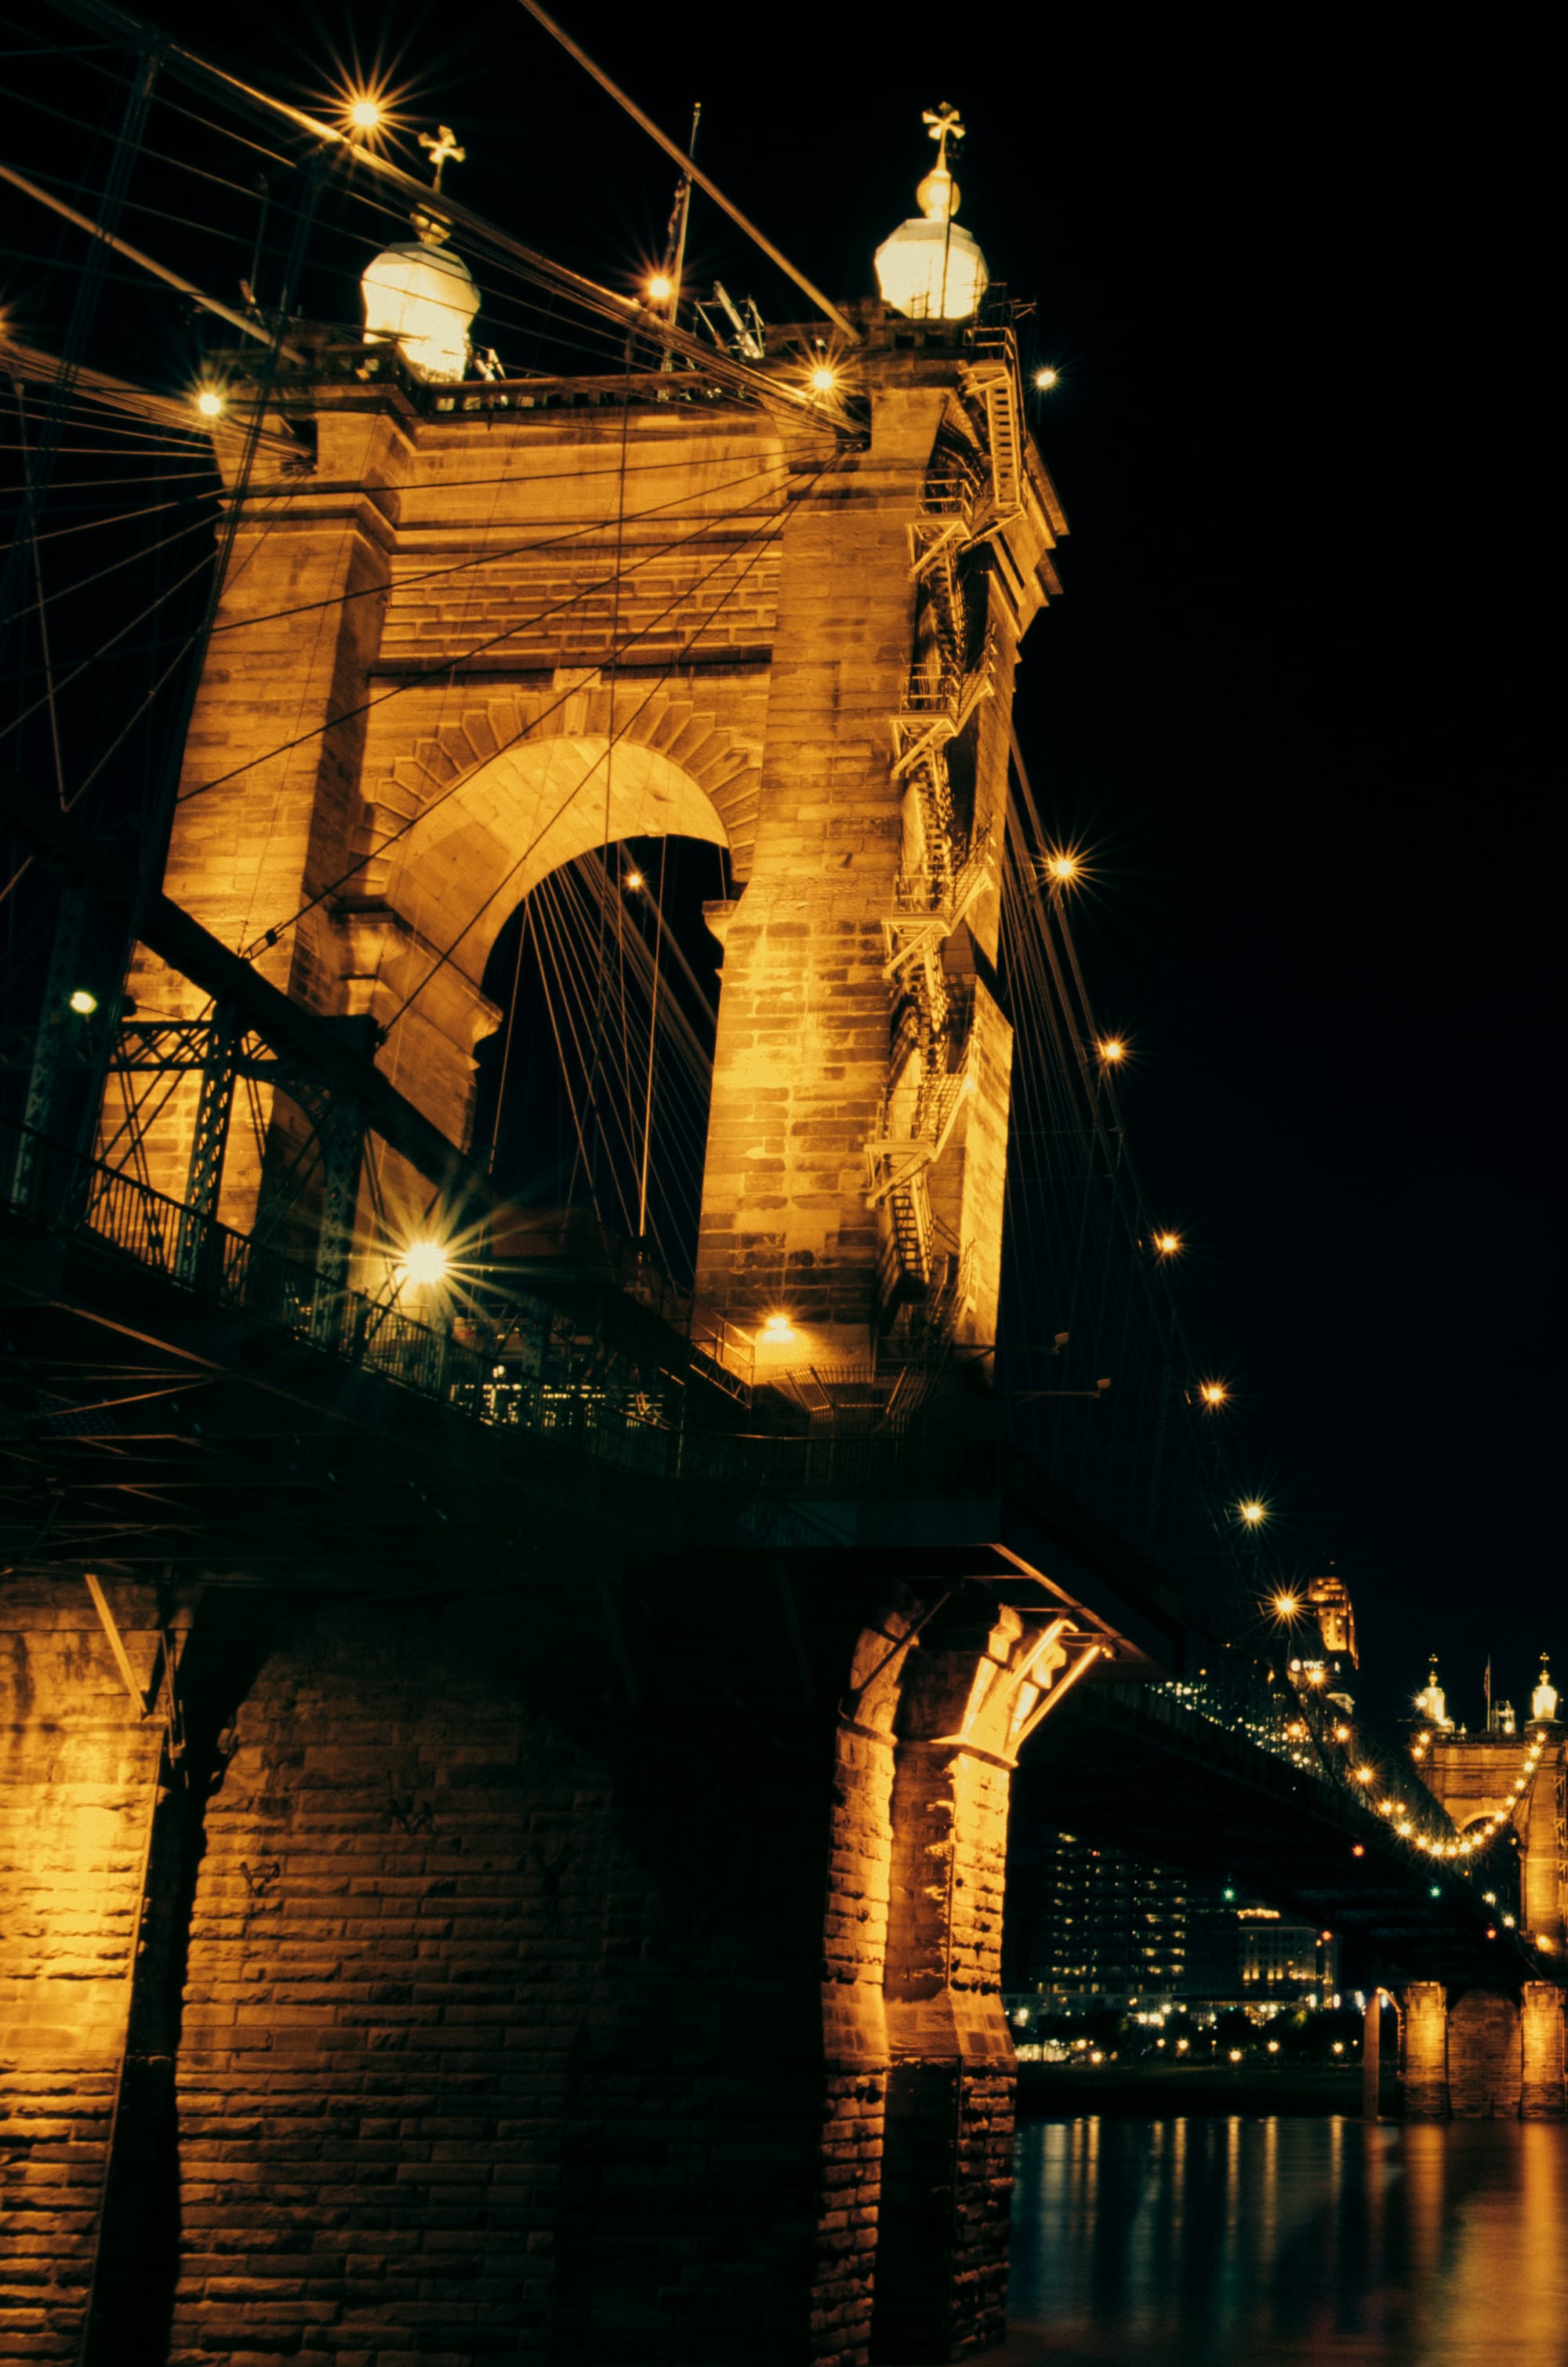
(586, 1365)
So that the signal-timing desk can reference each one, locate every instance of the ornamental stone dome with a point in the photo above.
(421, 297)
(930, 270)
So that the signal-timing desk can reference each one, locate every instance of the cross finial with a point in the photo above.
(444, 150)
(944, 125)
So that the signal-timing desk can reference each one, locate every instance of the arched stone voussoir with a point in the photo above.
(472, 808)
(428, 772)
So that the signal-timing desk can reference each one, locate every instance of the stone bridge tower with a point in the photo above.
(1485, 2052)
(1495, 1778)
(470, 634)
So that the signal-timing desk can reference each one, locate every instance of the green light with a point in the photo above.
(84, 1003)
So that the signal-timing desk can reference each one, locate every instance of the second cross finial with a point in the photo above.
(944, 126)
(444, 150)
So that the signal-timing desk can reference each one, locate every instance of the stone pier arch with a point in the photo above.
(920, 2065)
(462, 821)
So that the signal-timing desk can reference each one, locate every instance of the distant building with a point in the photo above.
(1095, 1927)
(1089, 1927)
(1281, 1961)
(1329, 1603)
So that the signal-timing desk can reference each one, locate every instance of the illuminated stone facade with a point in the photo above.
(1475, 1776)
(461, 645)
(77, 1784)
(480, 2013)
(1476, 2055)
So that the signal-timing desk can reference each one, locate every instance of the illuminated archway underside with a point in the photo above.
(474, 814)
(521, 816)
(482, 808)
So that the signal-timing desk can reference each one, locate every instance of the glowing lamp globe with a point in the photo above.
(930, 270)
(426, 1264)
(421, 297)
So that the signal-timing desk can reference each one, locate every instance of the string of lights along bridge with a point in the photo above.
(588, 1372)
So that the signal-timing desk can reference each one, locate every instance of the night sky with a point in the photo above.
(1297, 700)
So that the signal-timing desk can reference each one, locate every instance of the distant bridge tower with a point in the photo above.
(472, 632)
(1520, 1778)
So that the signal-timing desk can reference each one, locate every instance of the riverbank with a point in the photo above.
(1053, 2091)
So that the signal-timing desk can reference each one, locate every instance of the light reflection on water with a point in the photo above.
(1178, 2243)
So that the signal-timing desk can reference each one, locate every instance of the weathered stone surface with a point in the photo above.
(1425, 2050)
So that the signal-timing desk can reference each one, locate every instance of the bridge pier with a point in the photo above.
(78, 1783)
(1484, 2057)
(498, 1999)
(1541, 2033)
(1423, 2008)
(947, 2175)
(1371, 2054)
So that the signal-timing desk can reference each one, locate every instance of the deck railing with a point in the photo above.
(78, 1197)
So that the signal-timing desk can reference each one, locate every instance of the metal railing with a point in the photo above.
(70, 1195)
(945, 890)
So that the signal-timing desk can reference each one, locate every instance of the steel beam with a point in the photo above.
(214, 1104)
(315, 1042)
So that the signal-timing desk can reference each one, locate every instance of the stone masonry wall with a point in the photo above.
(507, 2023)
(1484, 2057)
(501, 2019)
(1424, 2057)
(560, 606)
(854, 2021)
(947, 2172)
(801, 1063)
(1542, 2035)
(77, 1773)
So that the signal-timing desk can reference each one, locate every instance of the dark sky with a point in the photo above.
(1293, 266)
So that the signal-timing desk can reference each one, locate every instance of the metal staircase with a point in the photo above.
(947, 866)
(992, 381)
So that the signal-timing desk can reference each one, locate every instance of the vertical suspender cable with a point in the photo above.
(652, 1026)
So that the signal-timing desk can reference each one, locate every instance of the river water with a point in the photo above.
(1274, 2242)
